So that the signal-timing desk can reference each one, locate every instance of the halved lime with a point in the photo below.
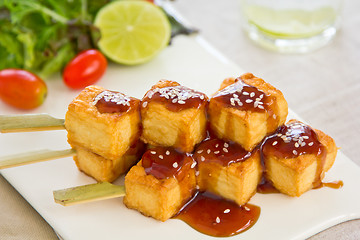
(132, 32)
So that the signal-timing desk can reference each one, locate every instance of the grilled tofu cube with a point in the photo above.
(226, 169)
(296, 157)
(173, 116)
(160, 184)
(105, 122)
(106, 170)
(245, 110)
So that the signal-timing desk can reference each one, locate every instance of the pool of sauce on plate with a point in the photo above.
(215, 216)
(114, 102)
(175, 98)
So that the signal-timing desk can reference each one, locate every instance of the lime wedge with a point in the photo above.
(132, 32)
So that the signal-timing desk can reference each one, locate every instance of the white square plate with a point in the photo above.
(193, 63)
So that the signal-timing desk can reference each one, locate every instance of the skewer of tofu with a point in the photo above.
(103, 130)
(242, 115)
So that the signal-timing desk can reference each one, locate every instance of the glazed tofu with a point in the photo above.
(226, 169)
(106, 170)
(245, 110)
(296, 157)
(104, 122)
(173, 116)
(160, 184)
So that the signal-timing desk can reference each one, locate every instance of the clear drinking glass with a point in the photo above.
(291, 26)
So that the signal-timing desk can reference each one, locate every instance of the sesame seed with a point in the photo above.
(258, 99)
(217, 145)
(208, 151)
(193, 164)
(311, 143)
(261, 96)
(256, 104)
(181, 102)
(225, 150)
(174, 100)
(246, 208)
(261, 106)
(248, 100)
(274, 143)
(217, 220)
(217, 152)
(167, 152)
(297, 145)
(245, 93)
(279, 135)
(200, 151)
(197, 187)
(295, 152)
(226, 145)
(252, 94)
(226, 210)
(235, 95)
(202, 97)
(144, 104)
(202, 158)
(274, 116)
(197, 173)
(114, 97)
(303, 144)
(161, 156)
(153, 152)
(305, 137)
(175, 164)
(240, 103)
(233, 104)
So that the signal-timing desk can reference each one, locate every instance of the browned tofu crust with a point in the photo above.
(246, 109)
(306, 158)
(160, 198)
(109, 134)
(173, 116)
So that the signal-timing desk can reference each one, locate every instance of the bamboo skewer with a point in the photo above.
(45, 122)
(88, 193)
(34, 157)
(30, 123)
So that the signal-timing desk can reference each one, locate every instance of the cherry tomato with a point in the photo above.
(22, 89)
(85, 69)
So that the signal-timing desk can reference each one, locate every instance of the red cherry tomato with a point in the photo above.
(22, 89)
(85, 69)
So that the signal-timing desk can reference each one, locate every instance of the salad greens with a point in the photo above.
(42, 36)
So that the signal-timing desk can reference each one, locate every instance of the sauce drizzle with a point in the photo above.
(114, 102)
(176, 98)
(224, 153)
(215, 216)
(162, 162)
